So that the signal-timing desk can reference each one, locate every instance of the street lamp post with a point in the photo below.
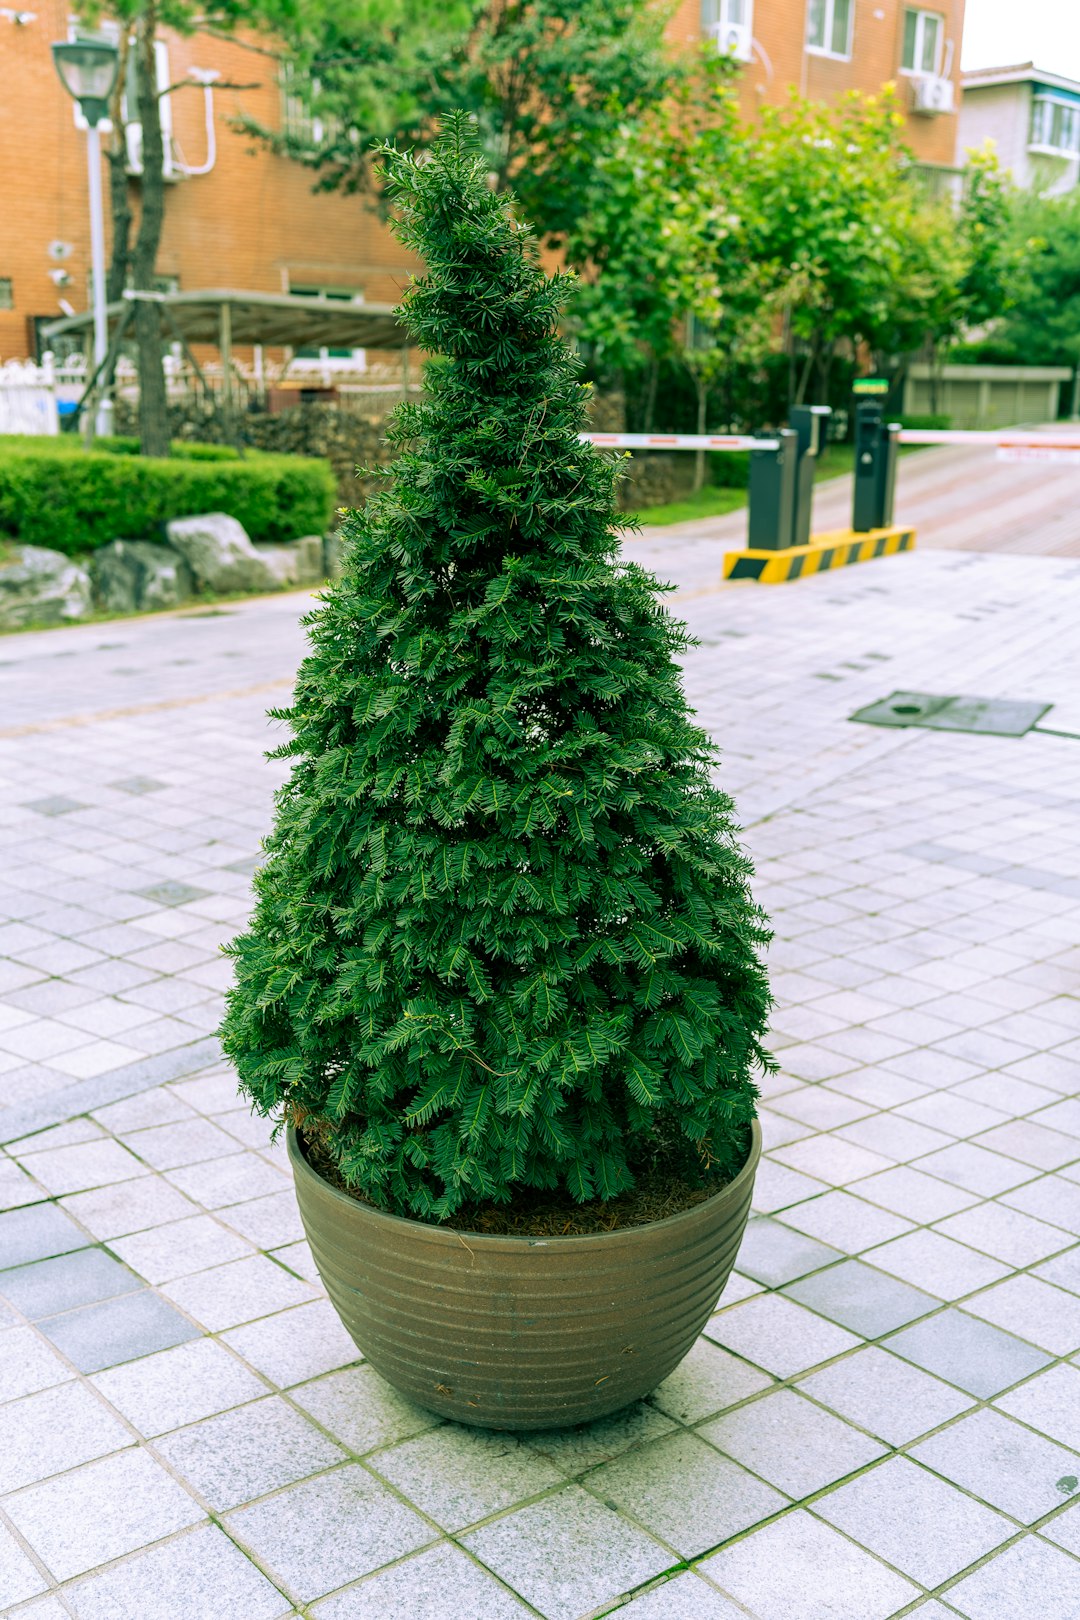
(87, 70)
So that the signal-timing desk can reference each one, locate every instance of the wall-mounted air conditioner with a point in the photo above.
(931, 94)
(735, 39)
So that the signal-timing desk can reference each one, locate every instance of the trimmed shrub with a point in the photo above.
(114, 444)
(504, 937)
(927, 423)
(75, 500)
(730, 469)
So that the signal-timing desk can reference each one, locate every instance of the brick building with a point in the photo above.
(239, 216)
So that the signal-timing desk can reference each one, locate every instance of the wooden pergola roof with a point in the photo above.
(224, 317)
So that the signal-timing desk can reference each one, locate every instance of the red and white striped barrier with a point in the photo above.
(1011, 444)
(679, 441)
(1005, 439)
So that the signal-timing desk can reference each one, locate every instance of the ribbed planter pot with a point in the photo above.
(520, 1332)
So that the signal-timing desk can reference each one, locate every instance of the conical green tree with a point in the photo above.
(503, 936)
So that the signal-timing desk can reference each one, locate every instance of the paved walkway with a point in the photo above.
(959, 500)
(882, 1418)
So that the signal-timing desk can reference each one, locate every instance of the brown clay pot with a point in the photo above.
(520, 1332)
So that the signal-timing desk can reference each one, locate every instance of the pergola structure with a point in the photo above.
(224, 318)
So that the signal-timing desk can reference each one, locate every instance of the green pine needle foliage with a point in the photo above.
(503, 936)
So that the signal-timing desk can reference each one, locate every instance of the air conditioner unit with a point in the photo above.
(735, 39)
(133, 140)
(932, 94)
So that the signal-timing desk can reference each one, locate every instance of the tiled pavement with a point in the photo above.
(883, 1416)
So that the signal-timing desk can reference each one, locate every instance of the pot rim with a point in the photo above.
(733, 1190)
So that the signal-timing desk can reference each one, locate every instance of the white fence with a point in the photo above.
(28, 398)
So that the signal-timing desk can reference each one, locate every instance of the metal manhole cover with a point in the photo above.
(995, 717)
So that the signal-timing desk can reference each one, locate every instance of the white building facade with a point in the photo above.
(1033, 118)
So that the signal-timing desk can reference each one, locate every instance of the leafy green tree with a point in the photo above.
(503, 936)
(1042, 325)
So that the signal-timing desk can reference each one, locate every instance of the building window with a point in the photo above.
(924, 38)
(341, 295)
(7, 293)
(828, 27)
(1055, 125)
(731, 24)
(298, 120)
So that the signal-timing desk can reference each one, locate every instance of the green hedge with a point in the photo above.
(75, 502)
(114, 445)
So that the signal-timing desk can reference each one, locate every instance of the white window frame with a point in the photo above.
(1043, 107)
(828, 31)
(923, 15)
(356, 359)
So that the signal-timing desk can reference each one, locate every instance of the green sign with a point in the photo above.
(870, 385)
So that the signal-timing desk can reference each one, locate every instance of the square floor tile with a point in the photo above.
(1030, 1573)
(894, 1136)
(1006, 1234)
(93, 1514)
(188, 1141)
(1063, 1270)
(861, 1298)
(241, 1291)
(54, 1430)
(975, 1169)
(98, 1336)
(244, 1453)
(1052, 1198)
(585, 1446)
(1064, 1530)
(686, 1597)
(914, 1520)
(295, 1345)
(1032, 1144)
(775, 1187)
(1050, 1402)
(180, 1247)
(772, 1254)
(178, 1386)
(28, 1364)
(791, 1442)
(361, 1409)
(19, 1578)
(47, 1287)
(37, 1232)
(325, 1532)
(81, 1166)
(967, 1352)
(800, 1567)
(568, 1555)
(831, 1159)
(200, 1576)
(914, 1194)
(419, 1589)
(129, 1206)
(685, 1493)
(1033, 1310)
(778, 1335)
(848, 1223)
(458, 1476)
(936, 1264)
(708, 1380)
(1003, 1464)
(881, 1393)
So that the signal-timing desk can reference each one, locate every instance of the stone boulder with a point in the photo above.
(132, 576)
(41, 587)
(294, 562)
(221, 557)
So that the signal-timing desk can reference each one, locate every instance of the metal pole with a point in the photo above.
(103, 419)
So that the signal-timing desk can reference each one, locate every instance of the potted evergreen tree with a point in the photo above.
(501, 983)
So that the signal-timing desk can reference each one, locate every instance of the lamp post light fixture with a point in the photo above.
(87, 70)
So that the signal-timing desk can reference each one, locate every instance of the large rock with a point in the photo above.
(294, 562)
(133, 575)
(42, 587)
(221, 557)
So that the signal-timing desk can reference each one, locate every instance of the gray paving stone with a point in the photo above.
(1063, 1270)
(778, 1335)
(53, 1430)
(568, 1555)
(862, 1299)
(687, 1597)
(967, 1352)
(179, 1386)
(685, 1493)
(1052, 1198)
(1003, 1464)
(37, 1232)
(27, 1364)
(325, 1532)
(19, 1578)
(708, 1380)
(586, 1446)
(791, 1442)
(93, 1514)
(975, 1168)
(104, 1335)
(914, 1194)
(128, 1206)
(361, 1409)
(1028, 1573)
(178, 1248)
(1006, 1234)
(48, 1287)
(241, 1291)
(295, 1345)
(844, 1221)
(421, 1588)
(914, 1520)
(220, 1183)
(1064, 1531)
(1049, 1402)
(242, 1454)
(267, 1222)
(458, 1476)
(84, 1164)
(16, 1187)
(885, 1395)
(772, 1254)
(1032, 1309)
(188, 1141)
(798, 1566)
(936, 1264)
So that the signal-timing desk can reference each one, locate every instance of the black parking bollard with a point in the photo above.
(772, 494)
(876, 445)
(809, 422)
